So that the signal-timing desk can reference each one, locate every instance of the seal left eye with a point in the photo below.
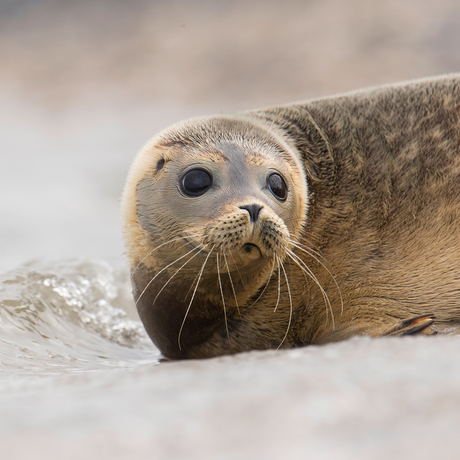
(196, 182)
(277, 186)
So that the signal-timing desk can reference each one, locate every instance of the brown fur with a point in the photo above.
(379, 219)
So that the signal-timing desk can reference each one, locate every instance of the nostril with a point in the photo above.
(253, 210)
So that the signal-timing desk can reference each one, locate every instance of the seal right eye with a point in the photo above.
(196, 182)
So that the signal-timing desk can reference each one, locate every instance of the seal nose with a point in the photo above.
(253, 210)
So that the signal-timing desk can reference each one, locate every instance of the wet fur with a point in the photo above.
(378, 244)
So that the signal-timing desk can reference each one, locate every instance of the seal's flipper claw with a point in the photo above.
(418, 325)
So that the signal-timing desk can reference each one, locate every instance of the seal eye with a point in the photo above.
(196, 182)
(277, 186)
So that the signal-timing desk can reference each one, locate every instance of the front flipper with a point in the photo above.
(417, 325)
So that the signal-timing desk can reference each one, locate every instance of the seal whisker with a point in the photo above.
(162, 270)
(153, 250)
(302, 270)
(290, 303)
(197, 275)
(222, 294)
(177, 271)
(303, 266)
(331, 275)
(267, 283)
(312, 245)
(239, 273)
(158, 247)
(279, 283)
(316, 251)
(193, 296)
(231, 283)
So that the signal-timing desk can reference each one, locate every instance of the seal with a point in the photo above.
(299, 224)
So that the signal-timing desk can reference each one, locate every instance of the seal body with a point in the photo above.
(300, 224)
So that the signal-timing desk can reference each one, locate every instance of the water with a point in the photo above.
(68, 316)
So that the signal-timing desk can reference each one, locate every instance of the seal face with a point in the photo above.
(298, 224)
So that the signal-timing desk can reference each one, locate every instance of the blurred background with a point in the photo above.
(84, 84)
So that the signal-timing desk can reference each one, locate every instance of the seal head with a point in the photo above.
(211, 207)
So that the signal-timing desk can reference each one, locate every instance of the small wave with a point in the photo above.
(69, 315)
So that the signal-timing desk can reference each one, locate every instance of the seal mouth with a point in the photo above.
(248, 248)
